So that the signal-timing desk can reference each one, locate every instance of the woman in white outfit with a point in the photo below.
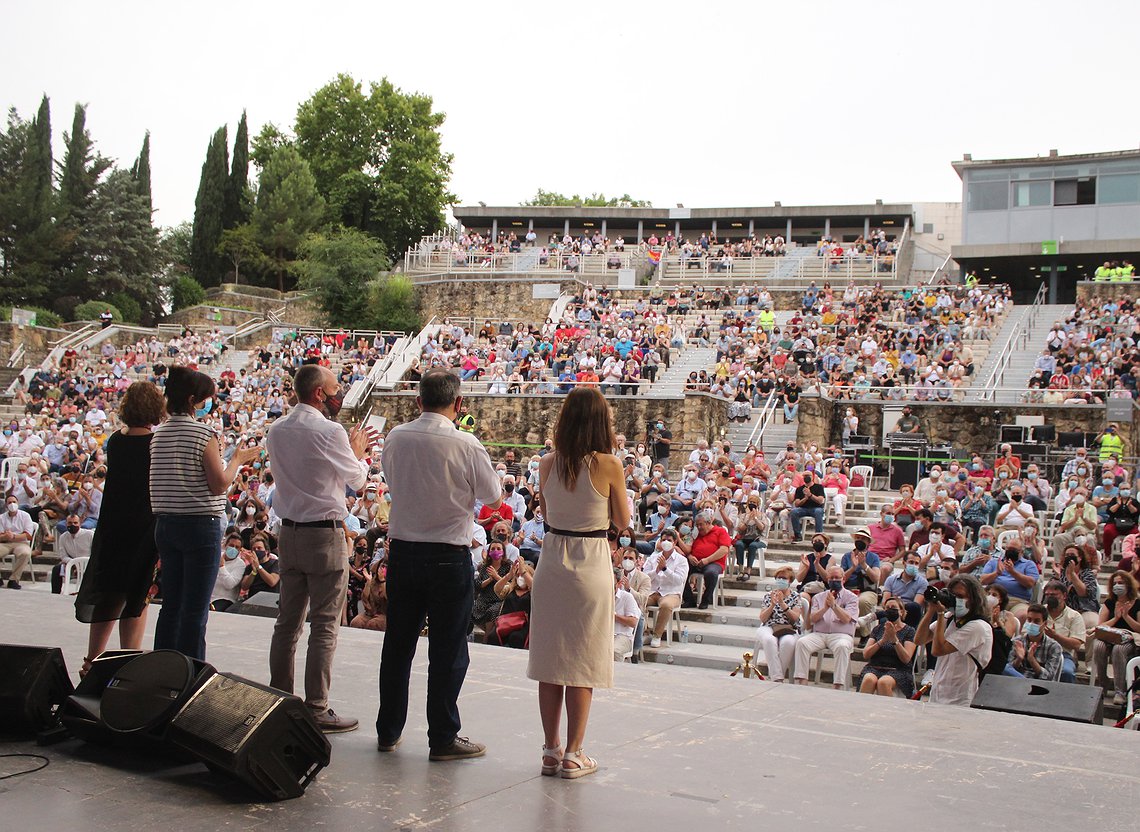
(781, 621)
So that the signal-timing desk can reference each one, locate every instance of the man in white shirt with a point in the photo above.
(73, 543)
(23, 486)
(436, 474)
(16, 532)
(514, 499)
(668, 570)
(313, 461)
(626, 616)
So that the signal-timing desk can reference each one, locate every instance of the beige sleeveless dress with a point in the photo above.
(572, 600)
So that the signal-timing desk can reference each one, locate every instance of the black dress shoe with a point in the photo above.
(14, 585)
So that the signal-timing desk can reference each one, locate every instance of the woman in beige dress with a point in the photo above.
(582, 493)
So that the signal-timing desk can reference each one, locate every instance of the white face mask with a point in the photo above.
(521, 581)
(250, 511)
(666, 546)
(627, 564)
(663, 510)
(935, 539)
(13, 508)
(991, 601)
(87, 486)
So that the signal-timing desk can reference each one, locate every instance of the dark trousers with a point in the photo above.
(711, 573)
(433, 581)
(188, 546)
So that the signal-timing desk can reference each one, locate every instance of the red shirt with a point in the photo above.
(704, 545)
(488, 518)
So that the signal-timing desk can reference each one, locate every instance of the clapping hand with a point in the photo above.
(1019, 650)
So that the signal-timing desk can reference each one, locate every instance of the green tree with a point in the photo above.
(206, 264)
(81, 170)
(122, 245)
(35, 246)
(140, 172)
(185, 292)
(92, 309)
(595, 200)
(288, 207)
(125, 303)
(13, 141)
(238, 200)
(377, 158)
(265, 142)
(240, 247)
(175, 241)
(338, 267)
(393, 302)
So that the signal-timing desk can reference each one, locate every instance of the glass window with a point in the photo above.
(1028, 194)
(1080, 191)
(987, 196)
(1119, 188)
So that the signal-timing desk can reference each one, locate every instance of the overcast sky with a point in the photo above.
(706, 104)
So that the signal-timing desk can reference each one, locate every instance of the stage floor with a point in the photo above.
(679, 748)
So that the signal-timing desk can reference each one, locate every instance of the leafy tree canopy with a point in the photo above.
(595, 200)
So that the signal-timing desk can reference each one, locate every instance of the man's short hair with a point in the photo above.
(1039, 609)
(439, 388)
(307, 379)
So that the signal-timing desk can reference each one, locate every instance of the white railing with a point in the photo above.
(401, 359)
(941, 269)
(361, 389)
(1018, 340)
(527, 260)
(17, 356)
(857, 267)
(766, 413)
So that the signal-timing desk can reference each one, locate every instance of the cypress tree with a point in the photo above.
(140, 173)
(238, 203)
(35, 244)
(80, 172)
(206, 265)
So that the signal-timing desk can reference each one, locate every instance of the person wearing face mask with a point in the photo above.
(188, 484)
(1121, 610)
(887, 540)
(1079, 519)
(833, 615)
(531, 535)
(1016, 513)
(807, 502)
(515, 500)
(86, 502)
(888, 653)
(961, 639)
(16, 533)
(907, 587)
(1035, 655)
(1038, 491)
(639, 585)
(668, 571)
(689, 490)
(861, 571)
(1103, 494)
(227, 586)
(660, 440)
(1072, 466)
(781, 622)
(493, 569)
(1066, 626)
(928, 486)
(73, 543)
(906, 507)
(513, 591)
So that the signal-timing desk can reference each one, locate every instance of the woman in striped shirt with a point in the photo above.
(188, 484)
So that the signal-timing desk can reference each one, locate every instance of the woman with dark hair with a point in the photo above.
(1120, 611)
(116, 583)
(188, 485)
(572, 623)
(961, 638)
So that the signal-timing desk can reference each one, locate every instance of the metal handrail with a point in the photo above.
(527, 260)
(16, 356)
(1018, 339)
(766, 413)
(934, 276)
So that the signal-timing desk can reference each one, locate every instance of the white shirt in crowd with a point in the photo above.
(227, 586)
(625, 604)
(312, 463)
(71, 546)
(19, 523)
(672, 580)
(956, 675)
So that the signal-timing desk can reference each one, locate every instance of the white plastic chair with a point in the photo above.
(9, 465)
(674, 619)
(35, 542)
(75, 569)
(863, 490)
(1131, 672)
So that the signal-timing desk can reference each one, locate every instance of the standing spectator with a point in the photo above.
(117, 580)
(661, 438)
(188, 487)
(961, 639)
(436, 474)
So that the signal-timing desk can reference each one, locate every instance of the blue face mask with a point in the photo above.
(911, 569)
(984, 544)
(1032, 630)
(960, 608)
(231, 553)
(205, 409)
(781, 583)
(888, 518)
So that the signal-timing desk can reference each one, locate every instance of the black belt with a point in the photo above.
(312, 524)
(565, 533)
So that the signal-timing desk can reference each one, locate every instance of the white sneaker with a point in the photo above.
(655, 641)
(927, 678)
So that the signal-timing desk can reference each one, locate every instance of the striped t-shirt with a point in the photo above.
(177, 479)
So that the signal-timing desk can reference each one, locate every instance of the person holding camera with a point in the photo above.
(955, 626)
(751, 527)
(888, 653)
(833, 615)
(1015, 574)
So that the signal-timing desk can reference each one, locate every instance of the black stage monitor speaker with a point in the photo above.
(33, 686)
(1067, 440)
(264, 604)
(1044, 433)
(1054, 700)
(129, 696)
(265, 738)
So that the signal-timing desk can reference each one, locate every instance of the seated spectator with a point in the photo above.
(668, 573)
(531, 536)
(1064, 625)
(1035, 655)
(861, 571)
(807, 502)
(887, 541)
(513, 590)
(997, 599)
(888, 654)
(832, 622)
(689, 490)
(781, 622)
(227, 586)
(1015, 513)
(1123, 511)
(1079, 520)
(752, 526)
(16, 533)
(373, 599)
(262, 572)
(1014, 573)
(493, 568)
(626, 616)
(978, 555)
(489, 517)
(1121, 610)
(907, 586)
(73, 543)
(638, 584)
(707, 557)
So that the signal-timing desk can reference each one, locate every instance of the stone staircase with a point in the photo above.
(1020, 366)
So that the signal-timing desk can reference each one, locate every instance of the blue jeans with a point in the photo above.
(188, 547)
(791, 411)
(1068, 669)
(752, 548)
(432, 581)
(1010, 670)
(799, 513)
